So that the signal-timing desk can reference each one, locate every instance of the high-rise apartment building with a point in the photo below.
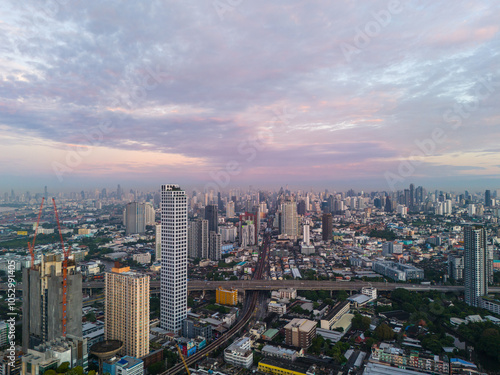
(475, 267)
(198, 239)
(327, 224)
(230, 209)
(127, 310)
(456, 267)
(137, 215)
(42, 302)
(173, 289)
(288, 219)
(215, 246)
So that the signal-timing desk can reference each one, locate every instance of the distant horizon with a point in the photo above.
(275, 187)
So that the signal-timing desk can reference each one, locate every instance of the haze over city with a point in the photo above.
(307, 93)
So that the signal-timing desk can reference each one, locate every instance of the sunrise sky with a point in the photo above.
(336, 94)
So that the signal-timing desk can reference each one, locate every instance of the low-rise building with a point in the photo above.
(410, 359)
(335, 314)
(300, 332)
(398, 271)
(282, 367)
(279, 352)
(123, 366)
(226, 297)
(276, 307)
(239, 353)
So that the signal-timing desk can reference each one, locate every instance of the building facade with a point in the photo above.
(127, 310)
(42, 302)
(475, 264)
(173, 289)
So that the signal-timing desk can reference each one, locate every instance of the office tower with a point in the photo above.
(301, 207)
(475, 267)
(42, 302)
(230, 209)
(212, 217)
(173, 289)
(327, 223)
(157, 242)
(198, 239)
(412, 197)
(487, 198)
(149, 212)
(215, 246)
(388, 204)
(126, 307)
(308, 205)
(220, 205)
(119, 192)
(289, 219)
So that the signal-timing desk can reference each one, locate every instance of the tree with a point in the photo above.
(342, 295)
(361, 322)
(384, 332)
(63, 367)
(156, 368)
(91, 317)
(52, 372)
(78, 370)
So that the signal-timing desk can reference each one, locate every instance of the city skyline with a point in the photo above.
(344, 94)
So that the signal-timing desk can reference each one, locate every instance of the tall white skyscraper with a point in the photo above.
(475, 267)
(173, 290)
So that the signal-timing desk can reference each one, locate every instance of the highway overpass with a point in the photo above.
(243, 285)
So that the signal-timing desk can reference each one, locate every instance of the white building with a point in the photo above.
(475, 264)
(276, 307)
(239, 353)
(173, 289)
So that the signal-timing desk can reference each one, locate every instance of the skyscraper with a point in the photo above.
(475, 267)
(487, 198)
(212, 217)
(42, 302)
(215, 246)
(127, 310)
(327, 223)
(173, 288)
(289, 219)
(230, 209)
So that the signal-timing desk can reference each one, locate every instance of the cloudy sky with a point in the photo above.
(337, 94)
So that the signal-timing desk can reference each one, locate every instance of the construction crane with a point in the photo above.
(31, 246)
(65, 271)
(183, 360)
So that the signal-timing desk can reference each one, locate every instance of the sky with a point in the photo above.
(224, 93)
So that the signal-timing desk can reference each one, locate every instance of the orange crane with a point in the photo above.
(183, 360)
(31, 247)
(65, 271)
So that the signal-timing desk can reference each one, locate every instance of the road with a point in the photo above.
(194, 285)
(252, 299)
